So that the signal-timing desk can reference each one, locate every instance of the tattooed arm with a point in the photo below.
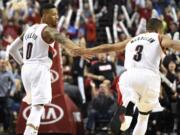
(50, 34)
(167, 42)
(104, 48)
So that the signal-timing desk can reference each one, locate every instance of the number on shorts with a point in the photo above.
(138, 55)
(29, 50)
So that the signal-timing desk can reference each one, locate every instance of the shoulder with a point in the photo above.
(46, 36)
(24, 31)
(165, 36)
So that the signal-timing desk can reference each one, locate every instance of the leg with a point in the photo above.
(33, 120)
(122, 118)
(39, 87)
(141, 125)
(91, 119)
(128, 117)
(5, 113)
(117, 119)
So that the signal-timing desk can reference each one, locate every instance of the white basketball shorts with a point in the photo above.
(140, 86)
(37, 83)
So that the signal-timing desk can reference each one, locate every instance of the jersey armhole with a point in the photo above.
(42, 36)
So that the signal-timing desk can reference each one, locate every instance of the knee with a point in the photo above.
(143, 117)
(35, 114)
(37, 109)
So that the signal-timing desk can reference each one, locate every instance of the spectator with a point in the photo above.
(178, 101)
(10, 32)
(91, 31)
(7, 88)
(33, 15)
(15, 14)
(102, 104)
(171, 95)
(102, 69)
(173, 31)
(73, 92)
(168, 16)
(15, 69)
(67, 69)
(78, 67)
(146, 12)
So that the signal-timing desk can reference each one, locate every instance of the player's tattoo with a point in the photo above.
(105, 49)
(56, 35)
(61, 38)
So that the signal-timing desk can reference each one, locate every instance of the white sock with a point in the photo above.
(126, 124)
(30, 131)
(33, 120)
(141, 125)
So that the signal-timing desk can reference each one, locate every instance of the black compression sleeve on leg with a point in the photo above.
(130, 109)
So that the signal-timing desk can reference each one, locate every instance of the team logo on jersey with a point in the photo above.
(52, 114)
(54, 76)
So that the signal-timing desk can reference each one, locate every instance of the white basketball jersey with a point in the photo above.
(35, 49)
(143, 51)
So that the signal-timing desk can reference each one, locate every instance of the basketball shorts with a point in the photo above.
(36, 79)
(140, 86)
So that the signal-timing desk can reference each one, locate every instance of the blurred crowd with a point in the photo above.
(91, 85)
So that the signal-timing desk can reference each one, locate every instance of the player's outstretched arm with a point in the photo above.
(53, 34)
(104, 48)
(167, 42)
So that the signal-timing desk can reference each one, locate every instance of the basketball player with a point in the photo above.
(140, 83)
(38, 42)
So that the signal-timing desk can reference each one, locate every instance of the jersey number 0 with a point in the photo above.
(29, 50)
(138, 55)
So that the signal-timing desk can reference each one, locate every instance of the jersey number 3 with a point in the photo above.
(138, 55)
(29, 50)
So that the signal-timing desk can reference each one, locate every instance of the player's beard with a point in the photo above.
(55, 24)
